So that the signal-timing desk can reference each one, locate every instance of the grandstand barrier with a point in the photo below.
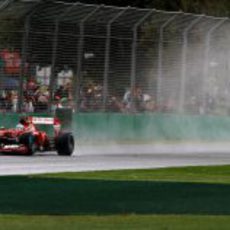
(110, 127)
(151, 127)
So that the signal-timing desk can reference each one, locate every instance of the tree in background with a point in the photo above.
(209, 7)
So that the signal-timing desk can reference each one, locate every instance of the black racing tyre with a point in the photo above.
(28, 139)
(65, 144)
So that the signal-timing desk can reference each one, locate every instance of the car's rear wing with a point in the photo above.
(45, 120)
(52, 121)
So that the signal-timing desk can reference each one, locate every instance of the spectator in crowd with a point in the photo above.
(14, 100)
(138, 100)
(63, 95)
(127, 99)
(29, 105)
(56, 103)
(3, 100)
(9, 100)
(87, 98)
(134, 100)
(42, 99)
(115, 105)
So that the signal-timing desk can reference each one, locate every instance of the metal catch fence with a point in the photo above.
(110, 59)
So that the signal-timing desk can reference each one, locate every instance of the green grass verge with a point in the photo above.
(195, 197)
(204, 174)
(118, 222)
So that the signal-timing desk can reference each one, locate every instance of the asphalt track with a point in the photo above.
(111, 157)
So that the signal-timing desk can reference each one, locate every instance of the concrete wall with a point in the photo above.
(91, 127)
(151, 127)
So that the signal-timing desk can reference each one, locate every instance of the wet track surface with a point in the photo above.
(92, 158)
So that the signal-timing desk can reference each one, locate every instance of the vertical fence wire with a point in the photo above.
(160, 58)
(206, 61)
(25, 38)
(184, 63)
(134, 59)
(107, 55)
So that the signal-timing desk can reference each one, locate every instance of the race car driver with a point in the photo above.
(26, 125)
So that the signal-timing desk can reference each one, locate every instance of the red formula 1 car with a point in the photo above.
(27, 142)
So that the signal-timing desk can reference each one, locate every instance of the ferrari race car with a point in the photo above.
(21, 141)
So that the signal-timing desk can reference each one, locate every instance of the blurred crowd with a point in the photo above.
(129, 101)
(36, 98)
(36, 90)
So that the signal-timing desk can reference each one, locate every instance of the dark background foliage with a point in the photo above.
(209, 7)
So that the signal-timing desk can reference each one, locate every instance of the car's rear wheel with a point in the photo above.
(65, 144)
(28, 139)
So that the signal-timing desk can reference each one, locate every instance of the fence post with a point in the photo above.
(184, 63)
(24, 56)
(134, 56)
(4, 4)
(77, 84)
(54, 54)
(107, 55)
(160, 57)
(206, 60)
(23, 60)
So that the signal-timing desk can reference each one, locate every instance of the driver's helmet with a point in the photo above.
(24, 121)
(20, 126)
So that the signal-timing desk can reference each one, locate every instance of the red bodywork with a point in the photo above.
(41, 138)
